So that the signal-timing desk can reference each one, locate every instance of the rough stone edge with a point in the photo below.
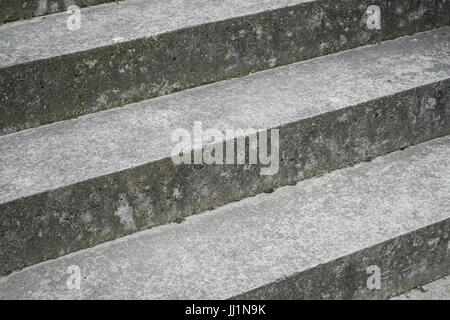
(50, 224)
(39, 92)
(15, 10)
(405, 262)
(435, 290)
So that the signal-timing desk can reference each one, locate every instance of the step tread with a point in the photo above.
(436, 290)
(259, 240)
(64, 153)
(39, 38)
(14, 10)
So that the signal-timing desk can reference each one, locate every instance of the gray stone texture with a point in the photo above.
(13, 10)
(151, 48)
(74, 184)
(312, 240)
(436, 290)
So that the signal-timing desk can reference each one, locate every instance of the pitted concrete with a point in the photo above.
(12, 10)
(65, 153)
(71, 185)
(40, 39)
(136, 50)
(436, 290)
(314, 240)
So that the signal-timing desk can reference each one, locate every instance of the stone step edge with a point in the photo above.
(39, 89)
(370, 235)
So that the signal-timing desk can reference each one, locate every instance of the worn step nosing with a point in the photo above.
(15, 10)
(348, 277)
(44, 225)
(316, 88)
(314, 240)
(98, 75)
(53, 223)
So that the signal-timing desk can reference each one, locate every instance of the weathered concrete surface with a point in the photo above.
(71, 185)
(48, 73)
(12, 10)
(436, 290)
(312, 240)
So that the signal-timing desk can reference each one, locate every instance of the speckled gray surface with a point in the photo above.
(104, 25)
(67, 186)
(137, 50)
(64, 153)
(436, 290)
(12, 10)
(312, 240)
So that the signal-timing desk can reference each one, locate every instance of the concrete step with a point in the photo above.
(370, 231)
(13, 10)
(436, 290)
(136, 50)
(74, 184)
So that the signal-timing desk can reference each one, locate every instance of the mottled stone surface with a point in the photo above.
(436, 290)
(136, 50)
(71, 185)
(312, 240)
(13, 10)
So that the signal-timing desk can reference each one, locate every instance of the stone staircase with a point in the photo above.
(351, 201)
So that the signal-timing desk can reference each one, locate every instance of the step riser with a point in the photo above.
(317, 239)
(404, 263)
(65, 87)
(13, 10)
(50, 224)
